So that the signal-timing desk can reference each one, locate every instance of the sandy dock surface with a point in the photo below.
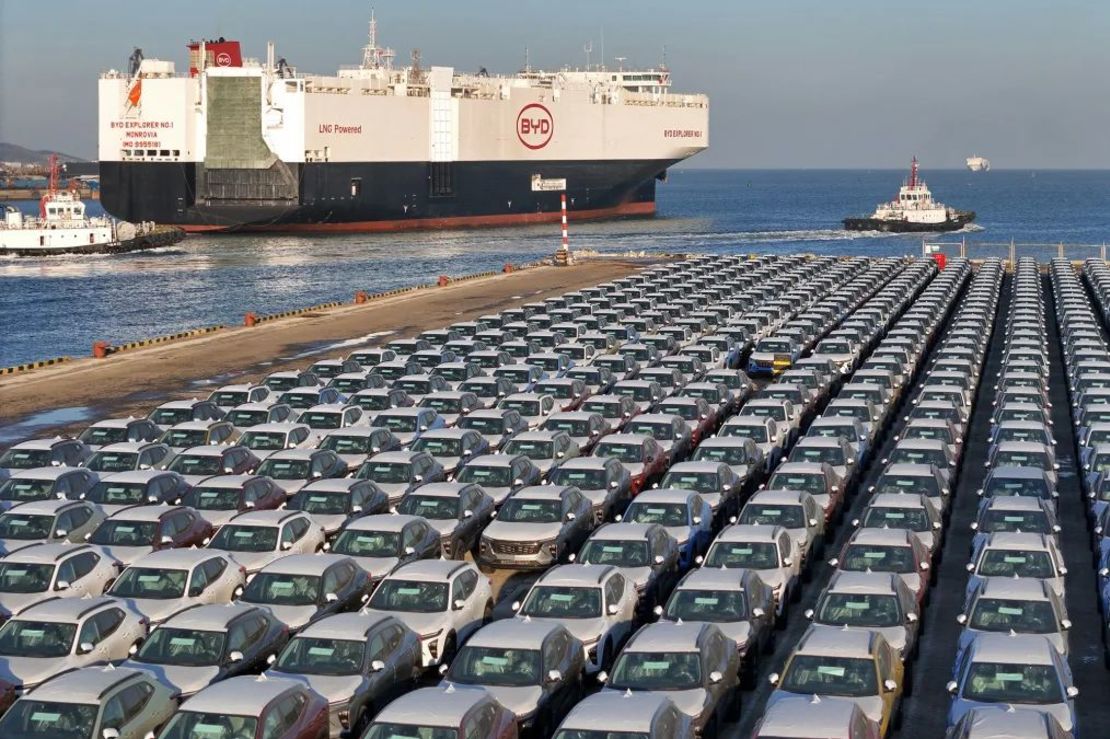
(133, 382)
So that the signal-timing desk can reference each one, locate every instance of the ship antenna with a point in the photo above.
(374, 56)
(588, 47)
(913, 172)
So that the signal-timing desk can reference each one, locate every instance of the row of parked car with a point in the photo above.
(630, 402)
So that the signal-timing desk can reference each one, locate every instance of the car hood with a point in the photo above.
(336, 688)
(681, 534)
(421, 623)
(194, 480)
(254, 561)
(331, 522)
(637, 575)
(690, 702)
(634, 468)
(30, 671)
(124, 555)
(353, 461)
(290, 486)
(395, 490)
(377, 567)
(521, 701)
(450, 464)
(531, 532)
(1060, 711)
(186, 679)
(406, 437)
(295, 617)
(498, 494)
(218, 518)
(443, 526)
(158, 609)
(13, 603)
(584, 629)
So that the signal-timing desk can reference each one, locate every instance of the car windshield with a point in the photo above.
(483, 424)
(531, 448)
(373, 401)
(117, 493)
(197, 725)
(904, 455)
(245, 419)
(25, 526)
(906, 484)
(661, 431)
(285, 469)
(150, 582)
(834, 455)
(282, 589)
(410, 596)
(878, 558)
(36, 638)
(229, 398)
(998, 487)
(657, 671)
(497, 477)
(453, 374)
(438, 446)
(312, 656)
(442, 405)
(994, 682)
(167, 645)
(213, 499)
(197, 464)
(281, 383)
(718, 606)
(238, 538)
(495, 666)
(580, 478)
(573, 427)
(101, 435)
(113, 461)
(552, 601)
(432, 507)
(664, 514)
(263, 441)
(387, 473)
(183, 438)
(628, 553)
(403, 424)
(702, 482)
(1021, 616)
(689, 411)
(731, 455)
(363, 543)
(940, 433)
(171, 416)
(34, 719)
(524, 407)
(884, 517)
(868, 610)
(772, 514)
(822, 675)
(752, 555)
(379, 730)
(326, 502)
(121, 532)
(604, 408)
(530, 510)
(1035, 522)
(813, 484)
(25, 577)
(625, 452)
(23, 489)
(757, 433)
(772, 346)
(1015, 563)
(321, 419)
(1036, 459)
(301, 400)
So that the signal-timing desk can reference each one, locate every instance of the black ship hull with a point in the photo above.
(378, 196)
(961, 219)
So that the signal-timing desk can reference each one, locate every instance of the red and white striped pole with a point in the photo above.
(566, 246)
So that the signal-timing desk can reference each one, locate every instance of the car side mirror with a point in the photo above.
(554, 676)
(696, 520)
(773, 678)
(228, 470)
(331, 598)
(758, 612)
(62, 585)
(468, 514)
(602, 676)
(377, 666)
(659, 559)
(109, 732)
(911, 618)
(1065, 624)
(571, 516)
(84, 647)
(517, 481)
(832, 562)
(410, 550)
(166, 540)
(458, 604)
(716, 677)
(235, 656)
(890, 686)
(1072, 691)
(951, 686)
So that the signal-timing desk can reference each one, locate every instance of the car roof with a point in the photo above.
(585, 463)
(1015, 503)
(835, 641)
(881, 537)
(85, 685)
(540, 492)
(801, 467)
(443, 489)
(312, 564)
(64, 609)
(1022, 446)
(716, 578)
(265, 518)
(778, 496)
(144, 512)
(205, 450)
(241, 695)
(210, 616)
(347, 626)
(282, 426)
(665, 495)
(43, 473)
(438, 706)
(623, 711)
(491, 460)
(750, 532)
(42, 507)
(1017, 540)
(897, 500)
(125, 446)
(578, 575)
(1012, 648)
(667, 636)
(403, 457)
(44, 553)
(295, 454)
(221, 481)
(806, 717)
(989, 721)
(382, 522)
(174, 558)
(909, 469)
(430, 570)
(622, 531)
(513, 633)
(862, 582)
(1017, 471)
(1025, 588)
(113, 423)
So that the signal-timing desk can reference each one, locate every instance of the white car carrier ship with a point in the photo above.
(237, 144)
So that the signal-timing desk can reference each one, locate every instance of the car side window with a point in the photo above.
(614, 589)
(464, 585)
(378, 645)
(65, 522)
(74, 568)
(410, 536)
(554, 651)
(133, 699)
(100, 626)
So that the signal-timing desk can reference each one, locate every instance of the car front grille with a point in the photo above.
(513, 547)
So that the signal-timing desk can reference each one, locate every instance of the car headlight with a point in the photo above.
(432, 640)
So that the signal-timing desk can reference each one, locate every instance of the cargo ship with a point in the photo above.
(913, 211)
(237, 144)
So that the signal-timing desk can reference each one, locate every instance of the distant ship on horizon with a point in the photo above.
(978, 164)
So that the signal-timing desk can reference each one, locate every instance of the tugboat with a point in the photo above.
(62, 227)
(914, 210)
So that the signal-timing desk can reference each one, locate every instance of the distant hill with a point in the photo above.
(15, 153)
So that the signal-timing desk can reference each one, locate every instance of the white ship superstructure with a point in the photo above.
(978, 164)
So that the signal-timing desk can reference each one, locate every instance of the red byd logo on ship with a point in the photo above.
(534, 126)
(223, 59)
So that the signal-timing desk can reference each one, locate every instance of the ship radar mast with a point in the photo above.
(374, 56)
(913, 172)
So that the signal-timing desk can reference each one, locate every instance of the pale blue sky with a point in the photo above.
(792, 83)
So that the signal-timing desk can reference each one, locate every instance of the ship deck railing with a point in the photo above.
(1011, 251)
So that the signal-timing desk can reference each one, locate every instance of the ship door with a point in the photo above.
(441, 179)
